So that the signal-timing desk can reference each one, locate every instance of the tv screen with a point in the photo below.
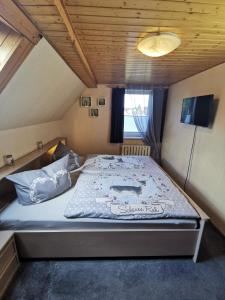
(197, 110)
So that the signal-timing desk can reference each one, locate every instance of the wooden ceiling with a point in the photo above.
(107, 32)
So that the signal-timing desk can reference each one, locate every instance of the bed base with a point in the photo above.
(109, 243)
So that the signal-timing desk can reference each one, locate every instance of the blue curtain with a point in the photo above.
(153, 133)
(117, 115)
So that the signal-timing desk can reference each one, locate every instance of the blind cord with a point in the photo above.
(190, 159)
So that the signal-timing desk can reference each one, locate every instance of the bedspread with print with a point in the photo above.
(122, 187)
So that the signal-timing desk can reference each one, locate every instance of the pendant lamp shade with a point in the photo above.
(159, 44)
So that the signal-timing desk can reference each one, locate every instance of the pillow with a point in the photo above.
(62, 150)
(36, 186)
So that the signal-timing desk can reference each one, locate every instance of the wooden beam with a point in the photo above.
(16, 19)
(72, 33)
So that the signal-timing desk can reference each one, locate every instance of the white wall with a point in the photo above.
(207, 178)
(21, 141)
(42, 90)
(87, 134)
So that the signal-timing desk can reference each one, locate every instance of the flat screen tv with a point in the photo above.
(197, 110)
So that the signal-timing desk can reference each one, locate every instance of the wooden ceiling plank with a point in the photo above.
(59, 5)
(51, 33)
(143, 14)
(134, 40)
(152, 63)
(18, 20)
(133, 29)
(190, 6)
(148, 29)
(42, 10)
(36, 2)
(52, 27)
(87, 37)
(191, 22)
(157, 5)
(173, 9)
(130, 3)
(84, 34)
(157, 21)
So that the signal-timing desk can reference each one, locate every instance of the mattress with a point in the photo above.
(49, 216)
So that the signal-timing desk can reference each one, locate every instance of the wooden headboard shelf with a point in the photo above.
(30, 157)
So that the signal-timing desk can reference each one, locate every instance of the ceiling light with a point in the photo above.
(159, 44)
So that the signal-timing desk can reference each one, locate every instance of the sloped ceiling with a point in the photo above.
(42, 90)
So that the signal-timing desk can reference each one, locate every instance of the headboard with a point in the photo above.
(31, 161)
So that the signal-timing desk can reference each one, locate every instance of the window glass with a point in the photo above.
(9, 41)
(135, 107)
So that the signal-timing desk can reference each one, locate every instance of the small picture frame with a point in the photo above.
(101, 101)
(93, 112)
(85, 101)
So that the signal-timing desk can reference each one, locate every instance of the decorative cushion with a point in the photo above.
(62, 150)
(36, 186)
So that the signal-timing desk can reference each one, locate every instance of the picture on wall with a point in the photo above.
(101, 101)
(85, 101)
(94, 112)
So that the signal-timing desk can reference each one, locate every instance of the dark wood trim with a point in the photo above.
(15, 18)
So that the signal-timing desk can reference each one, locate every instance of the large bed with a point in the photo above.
(68, 226)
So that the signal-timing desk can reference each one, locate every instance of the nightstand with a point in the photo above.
(9, 262)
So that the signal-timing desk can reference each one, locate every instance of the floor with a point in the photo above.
(122, 279)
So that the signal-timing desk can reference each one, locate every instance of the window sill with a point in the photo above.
(132, 138)
(128, 135)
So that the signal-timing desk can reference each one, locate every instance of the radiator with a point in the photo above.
(136, 150)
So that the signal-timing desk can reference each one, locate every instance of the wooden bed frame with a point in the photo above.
(78, 243)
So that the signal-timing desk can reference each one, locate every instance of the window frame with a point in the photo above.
(13, 17)
(14, 61)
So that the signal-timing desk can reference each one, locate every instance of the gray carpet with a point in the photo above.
(161, 279)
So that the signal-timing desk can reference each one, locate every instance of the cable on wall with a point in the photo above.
(190, 159)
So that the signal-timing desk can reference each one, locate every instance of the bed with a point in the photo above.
(48, 215)
(48, 230)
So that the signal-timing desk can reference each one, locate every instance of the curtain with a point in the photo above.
(152, 132)
(117, 115)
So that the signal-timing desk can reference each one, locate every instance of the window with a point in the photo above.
(18, 35)
(9, 41)
(13, 50)
(136, 113)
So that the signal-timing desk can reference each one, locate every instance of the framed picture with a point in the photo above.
(101, 101)
(93, 112)
(85, 101)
